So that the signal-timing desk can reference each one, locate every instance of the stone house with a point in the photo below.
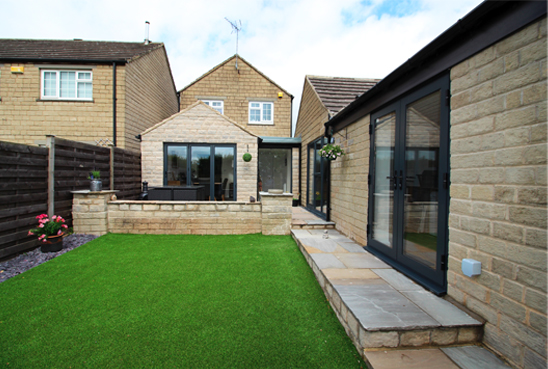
(89, 91)
(245, 95)
(255, 114)
(445, 167)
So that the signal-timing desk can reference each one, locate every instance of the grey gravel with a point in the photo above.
(23, 262)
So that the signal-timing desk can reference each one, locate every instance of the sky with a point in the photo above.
(286, 40)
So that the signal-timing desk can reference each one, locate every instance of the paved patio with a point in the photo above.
(396, 322)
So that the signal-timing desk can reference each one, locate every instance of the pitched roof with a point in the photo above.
(239, 59)
(73, 50)
(337, 92)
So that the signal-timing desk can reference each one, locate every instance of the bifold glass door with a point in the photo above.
(192, 165)
(409, 195)
(318, 179)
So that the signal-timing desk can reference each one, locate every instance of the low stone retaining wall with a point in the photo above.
(94, 213)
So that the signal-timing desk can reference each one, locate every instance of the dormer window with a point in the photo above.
(66, 85)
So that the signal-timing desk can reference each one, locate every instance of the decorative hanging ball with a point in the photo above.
(247, 157)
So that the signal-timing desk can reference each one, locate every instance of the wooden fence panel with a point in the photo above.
(127, 174)
(23, 195)
(73, 162)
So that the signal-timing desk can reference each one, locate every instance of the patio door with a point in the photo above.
(409, 184)
(317, 199)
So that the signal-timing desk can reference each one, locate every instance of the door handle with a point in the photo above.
(401, 179)
(395, 180)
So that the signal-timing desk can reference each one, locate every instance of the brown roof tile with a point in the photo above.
(337, 92)
(18, 49)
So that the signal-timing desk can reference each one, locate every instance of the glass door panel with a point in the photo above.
(420, 214)
(383, 190)
(176, 171)
(224, 174)
(200, 168)
(275, 169)
(318, 179)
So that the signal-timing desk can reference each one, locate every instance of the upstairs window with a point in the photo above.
(261, 112)
(67, 85)
(215, 104)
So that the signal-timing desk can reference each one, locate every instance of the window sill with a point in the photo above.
(65, 100)
(260, 123)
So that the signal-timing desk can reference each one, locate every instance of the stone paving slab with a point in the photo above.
(300, 233)
(351, 247)
(410, 359)
(473, 357)
(324, 261)
(380, 307)
(398, 280)
(334, 275)
(320, 244)
(361, 261)
(441, 310)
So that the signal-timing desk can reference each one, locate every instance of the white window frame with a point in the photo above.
(210, 104)
(77, 80)
(262, 119)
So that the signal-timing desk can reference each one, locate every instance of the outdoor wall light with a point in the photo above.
(471, 267)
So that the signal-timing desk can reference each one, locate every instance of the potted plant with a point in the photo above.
(50, 232)
(247, 157)
(95, 181)
(331, 152)
(296, 200)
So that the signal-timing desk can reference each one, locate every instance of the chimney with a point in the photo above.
(147, 25)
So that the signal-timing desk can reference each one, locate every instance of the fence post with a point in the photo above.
(50, 143)
(112, 167)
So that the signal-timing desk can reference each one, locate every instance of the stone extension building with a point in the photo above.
(446, 160)
(88, 91)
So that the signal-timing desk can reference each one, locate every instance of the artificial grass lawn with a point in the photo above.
(136, 301)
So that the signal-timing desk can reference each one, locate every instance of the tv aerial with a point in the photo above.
(237, 29)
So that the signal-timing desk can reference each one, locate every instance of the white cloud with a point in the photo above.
(284, 39)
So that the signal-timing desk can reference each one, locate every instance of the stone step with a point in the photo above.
(318, 225)
(378, 306)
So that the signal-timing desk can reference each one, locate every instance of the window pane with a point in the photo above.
(224, 173)
(67, 84)
(254, 115)
(176, 166)
(267, 112)
(84, 90)
(50, 84)
(84, 75)
(275, 169)
(200, 169)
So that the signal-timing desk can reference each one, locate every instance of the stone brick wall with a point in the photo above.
(349, 190)
(172, 217)
(94, 213)
(236, 88)
(150, 96)
(200, 124)
(312, 116)
(27, 119)
(498, 192)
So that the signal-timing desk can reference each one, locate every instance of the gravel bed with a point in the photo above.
(30, 259)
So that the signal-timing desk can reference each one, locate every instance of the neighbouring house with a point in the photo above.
(323, 98)
(243, 94)
(446, 167)
(89, 91)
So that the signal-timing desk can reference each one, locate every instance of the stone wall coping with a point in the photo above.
(268, 194)
(159, 202)
(88, 192)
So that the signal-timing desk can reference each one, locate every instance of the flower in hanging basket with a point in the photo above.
(49, 227)
(247, 157)
(331, 152)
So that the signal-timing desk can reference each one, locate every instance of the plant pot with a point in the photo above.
(53, 244)
(295, 203)
(95, 185)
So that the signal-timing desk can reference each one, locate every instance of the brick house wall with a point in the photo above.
(145, 95)
(237, 87)
(200, 124)
(498, 192)
(312, 116)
